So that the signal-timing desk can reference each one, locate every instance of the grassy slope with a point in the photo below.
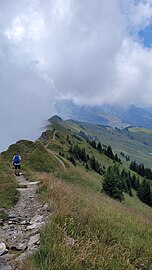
(8, 192)
(35, 157)
(134, 142)
(107, 234)
(114, 121)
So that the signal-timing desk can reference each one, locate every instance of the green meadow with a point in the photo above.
(87, 229)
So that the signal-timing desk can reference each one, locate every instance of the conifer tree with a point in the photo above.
(133, 166)
(128, 183)
(99, 147)
(123, 181)
(112, 185)
(141, 170)
(144, 192)
(109, 152)
(93, 144)
(116, 157)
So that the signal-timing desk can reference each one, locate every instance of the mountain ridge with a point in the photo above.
(87, 228)
(110, 115)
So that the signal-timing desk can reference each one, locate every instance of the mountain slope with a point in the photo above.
(87, 230)
(114, 116)
(97, 115)
(133, 142)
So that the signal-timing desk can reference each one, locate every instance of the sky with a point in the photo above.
(92, 52)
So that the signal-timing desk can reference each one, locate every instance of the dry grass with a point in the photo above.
(107, 234)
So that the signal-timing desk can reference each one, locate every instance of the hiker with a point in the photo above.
(17, 164)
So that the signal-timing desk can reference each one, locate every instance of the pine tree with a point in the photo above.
(144, 192)
(128, 182)
(99, 147)
(141, 170)
(123, 181)
(112, 185)
(133, 166)
(134, 182)
(109, 152)
(148, 173)
(93, 144)
(116, 158)
(83, 155)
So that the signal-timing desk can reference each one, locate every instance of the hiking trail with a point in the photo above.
(21, 232)
(54, 154)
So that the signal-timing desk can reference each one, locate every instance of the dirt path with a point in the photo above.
(21, 231)
(54, 133)
(55, 155)
(63, 165)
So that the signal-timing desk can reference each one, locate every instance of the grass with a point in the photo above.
(107, 234)
(81, 177)
(137, 207)
(140, 129)
(34, 157)
(8, 193)
(134, 142)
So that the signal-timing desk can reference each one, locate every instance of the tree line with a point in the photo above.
(115, 183)
(125, 156)
(141, 170)
(79, 153)
(107, 150)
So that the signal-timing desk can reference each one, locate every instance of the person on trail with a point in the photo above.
(17, 164)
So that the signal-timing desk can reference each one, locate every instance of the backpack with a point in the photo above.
(16, 159)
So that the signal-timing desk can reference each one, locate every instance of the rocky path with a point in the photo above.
(21, 232)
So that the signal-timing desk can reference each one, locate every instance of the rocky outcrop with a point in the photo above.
(21, 232)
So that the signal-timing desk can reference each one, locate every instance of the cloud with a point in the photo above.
(138, 13)
(84, 50)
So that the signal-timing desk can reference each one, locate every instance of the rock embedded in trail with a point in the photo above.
(19, 247)
(35, 226)
(36, 218)
(35, 239)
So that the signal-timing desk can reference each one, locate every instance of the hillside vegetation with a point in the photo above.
(8, 187)
(87, 230)
(133, 142)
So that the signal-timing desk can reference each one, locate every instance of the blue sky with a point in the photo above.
(145, 36)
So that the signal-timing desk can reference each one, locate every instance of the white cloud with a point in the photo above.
(134, 68)
(138, 13)
(61, 10)
(85, 50)
(29, 26)
(17, 31)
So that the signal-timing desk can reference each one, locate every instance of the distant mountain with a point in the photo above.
(114, 116)
(55, 118)
(138, 117)
(102, 115)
